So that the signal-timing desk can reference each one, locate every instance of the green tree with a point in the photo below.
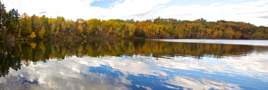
(12, 23)
(3, 19)
(33, 23)
(52, 31)
(143, 34)
(25, 25)
(47, 28)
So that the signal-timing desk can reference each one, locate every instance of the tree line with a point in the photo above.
(34, 27)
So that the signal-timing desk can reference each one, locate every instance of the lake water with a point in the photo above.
(134, 64)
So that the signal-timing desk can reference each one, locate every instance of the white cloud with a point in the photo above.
(139, 9)
(74, 72)
(253, 12)
(202, 84)
(253, 65)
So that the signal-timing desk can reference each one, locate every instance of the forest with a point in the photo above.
(15, 26)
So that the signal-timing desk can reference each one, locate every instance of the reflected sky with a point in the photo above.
(146, 72)
(142, 72)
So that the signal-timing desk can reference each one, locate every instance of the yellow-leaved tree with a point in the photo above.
(109, 31)
(237, 35)
(33, 45)
(80, 29)
(42, 32)
(208, 31)
(42, 47)
(33, 35)
(229, 33)
(88, 31)
(131, 30)
(19, 35)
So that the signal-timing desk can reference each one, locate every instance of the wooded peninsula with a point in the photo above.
(14, 26)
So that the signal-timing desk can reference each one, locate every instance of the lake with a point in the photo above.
(135, 64)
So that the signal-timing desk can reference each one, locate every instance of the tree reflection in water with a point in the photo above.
(14, 55)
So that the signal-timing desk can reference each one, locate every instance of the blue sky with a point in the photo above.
(105, 3)
(252, 11)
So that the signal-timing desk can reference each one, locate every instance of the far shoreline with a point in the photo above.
(219, 41)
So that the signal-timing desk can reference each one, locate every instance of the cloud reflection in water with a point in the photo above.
(141, 72)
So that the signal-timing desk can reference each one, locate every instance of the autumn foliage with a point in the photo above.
(41, 27)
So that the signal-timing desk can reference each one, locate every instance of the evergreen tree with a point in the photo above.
(143, 34)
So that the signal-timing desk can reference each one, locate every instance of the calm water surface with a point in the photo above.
(132, 64)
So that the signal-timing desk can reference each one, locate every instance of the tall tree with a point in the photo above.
(3, 18)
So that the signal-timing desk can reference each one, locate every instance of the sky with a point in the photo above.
(250, 11)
